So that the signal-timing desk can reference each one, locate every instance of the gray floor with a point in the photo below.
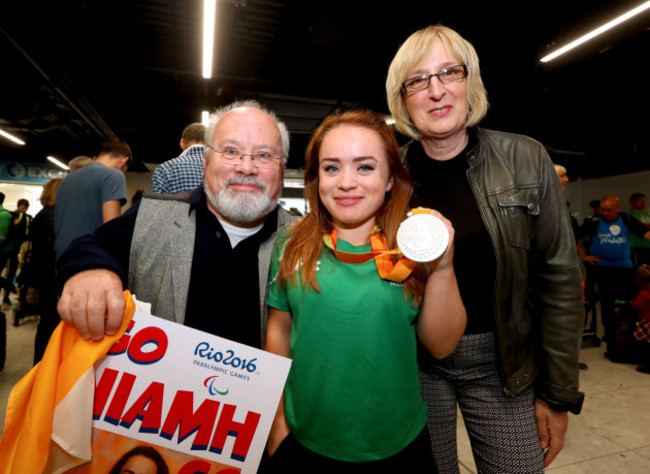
(20, 355)
(611, 435)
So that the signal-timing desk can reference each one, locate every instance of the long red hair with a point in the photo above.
(303, 242)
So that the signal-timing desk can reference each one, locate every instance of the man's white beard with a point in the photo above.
(241, 207)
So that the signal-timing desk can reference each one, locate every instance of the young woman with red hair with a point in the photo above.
(348, 313)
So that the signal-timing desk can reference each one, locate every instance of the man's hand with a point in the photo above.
(551, 427)
(580, 247)
(93, 302)
(591, 259)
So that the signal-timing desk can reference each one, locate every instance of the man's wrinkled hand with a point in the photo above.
(93, 302)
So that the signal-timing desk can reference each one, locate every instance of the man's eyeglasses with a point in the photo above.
(445, 76)
(232, 156)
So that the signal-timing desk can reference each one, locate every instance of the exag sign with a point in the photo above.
(37, 173)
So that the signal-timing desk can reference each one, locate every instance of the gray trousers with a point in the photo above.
(502, 429)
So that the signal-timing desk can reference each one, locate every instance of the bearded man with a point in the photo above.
(201, 257)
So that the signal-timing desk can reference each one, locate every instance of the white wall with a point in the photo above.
(581, 191)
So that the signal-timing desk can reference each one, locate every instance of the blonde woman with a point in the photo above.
(514, 374)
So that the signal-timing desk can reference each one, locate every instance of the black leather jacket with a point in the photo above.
(538, 296)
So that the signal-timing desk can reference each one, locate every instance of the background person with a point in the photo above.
(564, 179)
(39, 272)
(137, 195)
(79, 162)
(6, 247)
(18, 234)
(352, 401)
(92, 195)
(562, 175)
(184, 172)
(594, 204)
(610, 253)
(590, 335)
(640, 247)
(641, 303)
(515, 261)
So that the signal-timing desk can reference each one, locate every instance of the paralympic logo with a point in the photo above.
(211, 384)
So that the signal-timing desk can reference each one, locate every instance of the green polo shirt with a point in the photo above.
(644, 218)
(353, 392)
(5, 222)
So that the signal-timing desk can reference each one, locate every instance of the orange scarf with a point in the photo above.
(397, 272)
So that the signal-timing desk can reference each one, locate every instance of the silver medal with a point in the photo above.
(422, 238)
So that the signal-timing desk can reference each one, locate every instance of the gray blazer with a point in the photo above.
(162, 248)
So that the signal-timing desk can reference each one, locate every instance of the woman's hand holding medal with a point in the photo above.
(425, 236)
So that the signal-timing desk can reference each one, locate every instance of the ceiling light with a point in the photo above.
(209, 10)
(596, 32)
(11, 137)
(58, 163)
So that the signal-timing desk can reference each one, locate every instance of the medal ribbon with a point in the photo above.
(397, 272)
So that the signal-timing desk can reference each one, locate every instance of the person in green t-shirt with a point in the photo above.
(352, 402)
(640, 247)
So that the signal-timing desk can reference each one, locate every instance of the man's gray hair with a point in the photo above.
(253, 104)
(79, 162)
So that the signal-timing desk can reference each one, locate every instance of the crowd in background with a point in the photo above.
(614, 247)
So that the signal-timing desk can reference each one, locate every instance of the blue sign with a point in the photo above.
(36, 173)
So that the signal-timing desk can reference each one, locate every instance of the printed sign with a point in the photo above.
(197, 403)
(36, 173)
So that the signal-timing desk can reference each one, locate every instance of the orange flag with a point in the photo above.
(49, 413)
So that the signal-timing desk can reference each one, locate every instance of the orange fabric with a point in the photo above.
(387, 269)
(420, 210)
(25, 443)
(397, 272)
(346, 257)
